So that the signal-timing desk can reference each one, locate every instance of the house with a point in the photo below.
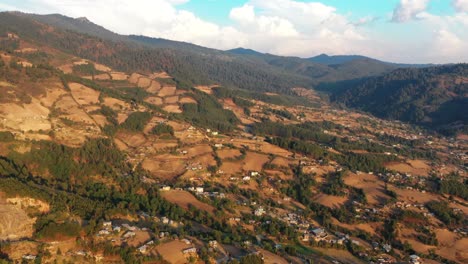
(117, 229)
(387, 247)
(190, 250)
(29, 257)
(104, 232)
(415, 259)
(129, 234)
(306, 237)
(319, 232)
(213, 244)
(199, 189)
(107, 224)
(254, 173)
(259, 211)
(143, 249)
(246, 178)
(218, 145)
(165, 188)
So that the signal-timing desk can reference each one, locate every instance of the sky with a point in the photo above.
(406, 31)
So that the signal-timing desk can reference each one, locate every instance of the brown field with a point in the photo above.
(457, 252)
(102, 77)
(184, 199)
(171, 99)
(116, 104)
(187, 100)
(205, 160)
(198, 150)
(14, 222)
(283, 162)
(162, 75)
(154, 100)
(26, 117)
(172, 109)
(205, 89)
(134, 78)
(164, 166)
(414, 195)
(132, 139)
(270, 258)
(167, 91)
(154, 87)
(330, 200)
(231, 167)
(84, 95)
(413, 167)
(373, 187)
(254, 161)
(101, 67)
(172, 252)
(228, 153)
(342, 256)
(118, 76)
(139, 239)
(165, 144)
(16, 250)
(369, 228)
(144, 82)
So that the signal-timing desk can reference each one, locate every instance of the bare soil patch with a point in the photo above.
(373, 187)
(172, 109)
(84, 95)
(167, 91)
(172, 252)
(184, 199)
(228, 153)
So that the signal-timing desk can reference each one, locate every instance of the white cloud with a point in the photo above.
(409, 9)
(283, 27)
(460, 5)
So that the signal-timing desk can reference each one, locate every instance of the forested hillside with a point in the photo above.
(434, 97)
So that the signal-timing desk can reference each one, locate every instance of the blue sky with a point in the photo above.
(410, 31)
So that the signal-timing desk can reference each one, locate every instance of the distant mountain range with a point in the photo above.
(382, 88)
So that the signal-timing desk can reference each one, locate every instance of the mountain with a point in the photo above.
(339, 59)
(434, 97)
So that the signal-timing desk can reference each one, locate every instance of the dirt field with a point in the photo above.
(118, 76)
(283, 162)
(84, 95)
(270, 258)
(27, 117)
(171, 99)
(139, 239)
(164, 166)
(370, 228)
(172, 251)
(457, 252)
(254, 161)
(183, 199)
(154, 100)
(198, 150)
(187, 100)
(342, 256)
(228, 153)
(154, 87)
(330, 200)
(14, 222)
(172, 109)
(413, 167)
(373, 187)
(143, 82)
(231, 167)
(167, 91)
(413, 195)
